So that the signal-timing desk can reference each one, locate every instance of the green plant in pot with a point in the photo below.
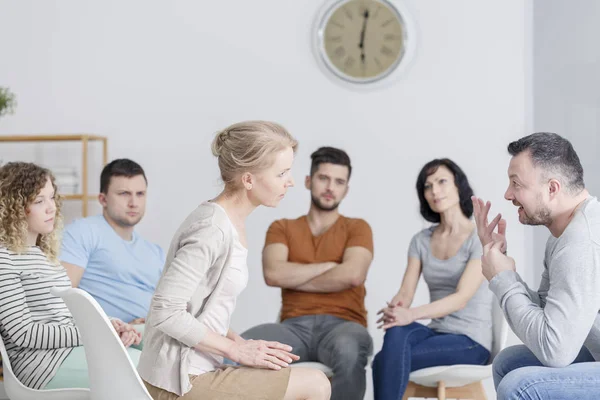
(8, 101)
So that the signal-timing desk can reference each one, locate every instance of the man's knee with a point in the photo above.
(513, 383)
(352, 349)
(508, 359)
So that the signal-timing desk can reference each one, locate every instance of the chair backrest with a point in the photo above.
(15, 390)
(12, 385)
(111, 371)
(499, 329)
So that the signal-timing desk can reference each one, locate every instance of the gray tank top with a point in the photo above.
(442, 276)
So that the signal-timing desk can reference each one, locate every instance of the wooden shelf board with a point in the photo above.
(50, 138)
(79, 196)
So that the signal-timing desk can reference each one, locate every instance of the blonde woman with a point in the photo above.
(41, 339)
(187, 329)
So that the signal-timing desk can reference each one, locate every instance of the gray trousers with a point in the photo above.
(342, 345)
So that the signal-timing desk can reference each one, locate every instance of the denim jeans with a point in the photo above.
(342, 345)
(413, 347)
(519, 375)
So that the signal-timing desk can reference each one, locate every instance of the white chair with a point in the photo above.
(15, 390)
(459, 381)
(111, 371)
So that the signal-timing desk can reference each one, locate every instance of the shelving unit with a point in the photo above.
(84, 196)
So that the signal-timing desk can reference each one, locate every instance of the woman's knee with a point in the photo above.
(322, 385)
(308, 383)
(401, 333)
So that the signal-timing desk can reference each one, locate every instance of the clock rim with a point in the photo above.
(392, 73)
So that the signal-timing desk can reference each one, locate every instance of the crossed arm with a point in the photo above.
(318, 277)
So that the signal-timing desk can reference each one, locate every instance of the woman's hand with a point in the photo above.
(262, 354)
(390, 306)
(235, 337)
(129, 336)
(397, 301)
(395, 315)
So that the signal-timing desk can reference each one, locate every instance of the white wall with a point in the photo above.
(159, 78)
(567, 84)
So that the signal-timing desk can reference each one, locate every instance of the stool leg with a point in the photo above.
(441, 391)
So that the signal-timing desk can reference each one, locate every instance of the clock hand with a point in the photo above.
(361, 44)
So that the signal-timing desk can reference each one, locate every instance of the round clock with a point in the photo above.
(362, 41)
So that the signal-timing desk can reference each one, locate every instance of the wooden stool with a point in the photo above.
(473, 391)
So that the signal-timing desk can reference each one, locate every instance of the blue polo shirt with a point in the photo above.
(121, 275)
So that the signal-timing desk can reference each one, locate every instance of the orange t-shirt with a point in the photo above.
(304, 248)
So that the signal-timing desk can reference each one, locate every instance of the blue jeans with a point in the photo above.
(413, 347)
(519, 375)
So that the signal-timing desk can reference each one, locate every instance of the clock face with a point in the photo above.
(362, 41)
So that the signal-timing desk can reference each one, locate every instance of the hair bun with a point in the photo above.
(219, 142)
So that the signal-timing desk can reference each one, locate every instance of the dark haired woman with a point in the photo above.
(448, 255)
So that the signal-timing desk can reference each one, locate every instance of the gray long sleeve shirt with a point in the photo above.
(562, 316)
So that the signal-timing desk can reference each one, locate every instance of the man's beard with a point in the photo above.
(540, 217)
(124, 223)
(317, 203)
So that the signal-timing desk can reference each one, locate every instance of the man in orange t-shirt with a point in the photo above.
(320, 261)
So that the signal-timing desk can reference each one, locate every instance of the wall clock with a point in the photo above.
(363, 41)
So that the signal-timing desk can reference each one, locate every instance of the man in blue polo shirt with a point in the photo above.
(104, 256)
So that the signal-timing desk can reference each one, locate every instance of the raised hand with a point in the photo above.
(493, 261)
(485, 230)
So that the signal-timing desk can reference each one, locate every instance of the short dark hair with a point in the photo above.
(460, 180)
(119, 167)
(329, 155)
(553, 153)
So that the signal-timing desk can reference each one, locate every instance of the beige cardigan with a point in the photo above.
(192, 274)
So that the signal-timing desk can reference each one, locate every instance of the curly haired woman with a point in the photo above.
(38, 331)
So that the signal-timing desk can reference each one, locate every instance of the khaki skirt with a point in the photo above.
(231, 383)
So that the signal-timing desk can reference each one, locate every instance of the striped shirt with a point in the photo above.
(37, 328)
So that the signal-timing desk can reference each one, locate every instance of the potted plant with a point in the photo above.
(8, 101)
